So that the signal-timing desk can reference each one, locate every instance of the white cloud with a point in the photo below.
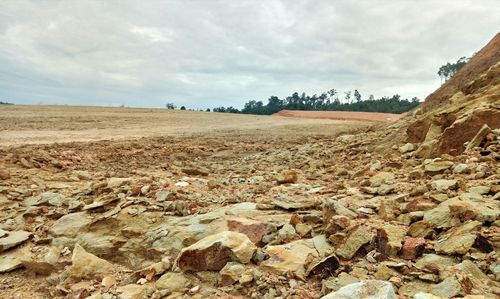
(155, 35)
(211, 53)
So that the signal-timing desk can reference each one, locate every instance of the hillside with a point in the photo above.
(455, 113)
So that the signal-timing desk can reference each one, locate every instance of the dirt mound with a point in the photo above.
(342, 115)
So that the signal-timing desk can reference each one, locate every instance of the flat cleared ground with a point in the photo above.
(342, 115)
(48, 124)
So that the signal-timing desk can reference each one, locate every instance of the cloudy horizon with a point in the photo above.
(204, 54)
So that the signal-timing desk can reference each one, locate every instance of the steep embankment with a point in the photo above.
(452, 115)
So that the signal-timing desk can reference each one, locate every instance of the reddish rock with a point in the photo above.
(254, 230)
(134, 191)
(412, 248)
(465, 129)
(337, 223)
(295, 219)
(4, 174)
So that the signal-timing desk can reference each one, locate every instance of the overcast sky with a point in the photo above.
(210, 53)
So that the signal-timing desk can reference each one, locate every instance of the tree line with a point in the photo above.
(332, 101)
(327, 101)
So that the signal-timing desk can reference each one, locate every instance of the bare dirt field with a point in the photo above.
(46, 124)
(342, 115)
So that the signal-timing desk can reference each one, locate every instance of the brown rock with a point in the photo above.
(357, 237)
(413, 248)
(324, 268)
(132, 291)
(38, 267)
(389, 209)
(4, 174)
(337, 223)
(464, 129)
(418, 204)
(390, 238)
(196, 171)
(439, 166)
(421, 229)
(215, 251)
(175, 282)
(13, 239)
(86, 265)
(287, 177)
(382, 178)
(293, 257)
(478, 138)
(482, 210)
(231, 273)
(458, 240)
(253, 229)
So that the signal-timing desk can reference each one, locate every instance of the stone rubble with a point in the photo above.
(435, 233)
(256, 216)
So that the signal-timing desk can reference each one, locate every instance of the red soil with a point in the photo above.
(342, 115)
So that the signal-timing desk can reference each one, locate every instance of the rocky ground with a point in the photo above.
(408, 210)
(249, 216)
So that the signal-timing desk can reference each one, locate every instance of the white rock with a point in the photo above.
(181, 184)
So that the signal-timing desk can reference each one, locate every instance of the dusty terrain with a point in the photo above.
(342, 115)
(45, 124)
(299, 209)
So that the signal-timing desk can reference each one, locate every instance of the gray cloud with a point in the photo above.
(210, 53)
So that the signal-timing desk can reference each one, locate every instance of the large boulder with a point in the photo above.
(13, 239)
(293, 257)
(87, 265)
(390, 238)
(71, 224)
(465, 129)
(458, 240)
(215, 251)
(357, 237)
(175, 282)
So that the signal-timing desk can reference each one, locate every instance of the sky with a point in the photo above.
(210, 53)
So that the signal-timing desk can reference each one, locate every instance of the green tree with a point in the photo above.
(347, 96)
(183, 108)
(448, 70)
(357, 95)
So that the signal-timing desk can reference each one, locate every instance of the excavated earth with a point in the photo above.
(406, 210)
(246, 217)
